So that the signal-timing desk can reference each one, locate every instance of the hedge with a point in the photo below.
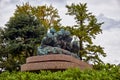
(70, 74)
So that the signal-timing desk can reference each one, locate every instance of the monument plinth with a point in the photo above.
(53, 62)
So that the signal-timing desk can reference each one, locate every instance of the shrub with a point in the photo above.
(112, 73)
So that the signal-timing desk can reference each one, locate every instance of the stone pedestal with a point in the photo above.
(53, 62)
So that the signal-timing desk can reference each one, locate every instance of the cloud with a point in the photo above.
(110, 40)
(56, 1)
(96, 7)
(108, 22)
(118, 1)
(7, 8)
(6, 3)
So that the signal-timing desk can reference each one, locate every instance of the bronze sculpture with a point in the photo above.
(58, 42)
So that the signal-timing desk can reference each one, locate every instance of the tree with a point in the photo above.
(2, 48)
(47, 15)
(86, 30)
(22, 34)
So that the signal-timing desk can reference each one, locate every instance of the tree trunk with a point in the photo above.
(81, 49)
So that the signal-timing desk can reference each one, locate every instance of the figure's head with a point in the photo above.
(52, 30)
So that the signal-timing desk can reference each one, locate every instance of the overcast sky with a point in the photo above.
(107, 11)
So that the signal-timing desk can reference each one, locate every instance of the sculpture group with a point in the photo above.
(59, 42)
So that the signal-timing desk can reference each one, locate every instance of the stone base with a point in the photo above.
(53, 62)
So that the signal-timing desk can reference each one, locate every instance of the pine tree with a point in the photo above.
(22, 35)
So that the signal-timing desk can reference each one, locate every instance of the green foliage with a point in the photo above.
(70, 74)
(20, 38)
(86, 29)
(23, 33)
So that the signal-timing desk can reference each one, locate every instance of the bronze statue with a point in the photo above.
(58, 42)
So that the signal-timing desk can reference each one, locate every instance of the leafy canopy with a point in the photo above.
(47, 15)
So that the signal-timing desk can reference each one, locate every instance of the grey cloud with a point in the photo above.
(99, 2)
(6, 10)
(110, 41)
(118, 1)
(93, 2)
(59, 3)
(7, 3)
(14, 1)
(108, 22)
